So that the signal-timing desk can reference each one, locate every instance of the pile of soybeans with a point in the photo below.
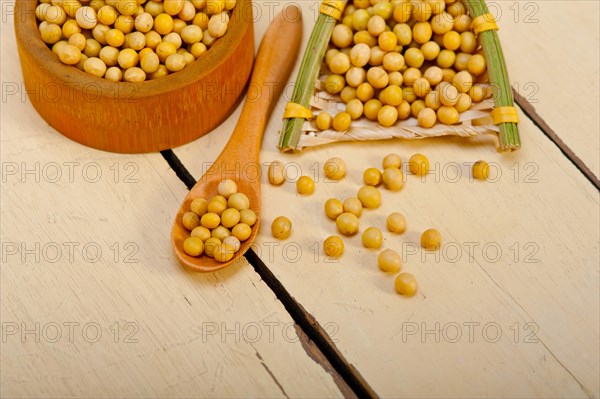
(132, 40)
(390, 60)
(220, 224)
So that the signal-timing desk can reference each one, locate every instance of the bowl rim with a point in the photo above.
(30, 41)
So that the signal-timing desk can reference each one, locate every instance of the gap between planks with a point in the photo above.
(538, 121)
(314, 339)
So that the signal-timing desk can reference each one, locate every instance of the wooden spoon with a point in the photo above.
(239, 160)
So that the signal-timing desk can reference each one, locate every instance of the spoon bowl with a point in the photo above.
(239, 160)
(208, 189)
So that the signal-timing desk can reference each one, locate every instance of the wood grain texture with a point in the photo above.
(520, 258)
(535, 117)
(515, 253)
(137, 117)
(274, 62)
(552, 55)
(164, 332)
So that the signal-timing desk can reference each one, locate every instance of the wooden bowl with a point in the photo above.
(137, 117)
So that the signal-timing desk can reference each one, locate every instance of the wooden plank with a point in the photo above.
(552, 55)
(532, 114)
(538, 284)
(132, 323)
(540, 293)
(315, 331)
(538, 278)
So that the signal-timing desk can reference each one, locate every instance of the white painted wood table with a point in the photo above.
(93, 303)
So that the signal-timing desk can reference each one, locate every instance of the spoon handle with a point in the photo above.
(275, 60)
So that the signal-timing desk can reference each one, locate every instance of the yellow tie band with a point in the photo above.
(294, 110)
(332, 8)
(484, 22)
(505, 115)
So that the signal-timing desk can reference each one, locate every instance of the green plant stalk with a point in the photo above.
(305, 81)
(509, 132)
